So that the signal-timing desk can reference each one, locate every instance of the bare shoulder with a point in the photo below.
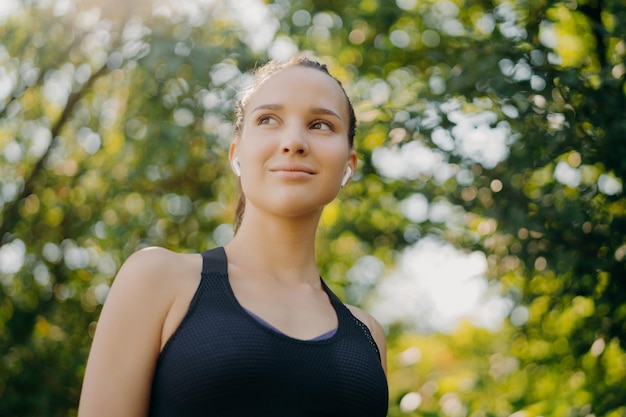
(372, 324)
(151, 281)
(375, 329)
(154, 259)
(131, 330)
(156, 268)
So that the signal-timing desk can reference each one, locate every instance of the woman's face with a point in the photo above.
(293, 150)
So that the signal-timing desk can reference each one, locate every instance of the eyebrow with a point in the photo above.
(314, 110)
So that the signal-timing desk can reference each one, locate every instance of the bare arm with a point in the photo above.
(375, 329)
(128, 338)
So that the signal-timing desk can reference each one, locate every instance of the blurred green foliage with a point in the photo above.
(114, 128)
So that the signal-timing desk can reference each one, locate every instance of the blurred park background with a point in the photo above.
(485, 227)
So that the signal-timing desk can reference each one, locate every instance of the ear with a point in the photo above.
(234, 160)
(351, 168)
(353, 160)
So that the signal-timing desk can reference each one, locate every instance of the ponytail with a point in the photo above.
(240, 207)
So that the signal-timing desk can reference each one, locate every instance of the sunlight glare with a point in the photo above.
(12, 256)
(435, 286)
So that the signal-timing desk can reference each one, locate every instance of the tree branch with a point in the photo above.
(10, 213)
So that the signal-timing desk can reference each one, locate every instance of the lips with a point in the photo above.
(292, 168)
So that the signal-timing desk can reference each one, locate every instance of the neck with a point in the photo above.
(282, 247)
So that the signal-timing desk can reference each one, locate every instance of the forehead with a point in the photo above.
(302, 86)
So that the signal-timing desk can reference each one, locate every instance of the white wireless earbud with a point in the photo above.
(236, 166)
(346, 177)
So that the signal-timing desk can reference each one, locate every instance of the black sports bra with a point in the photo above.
(222, 362)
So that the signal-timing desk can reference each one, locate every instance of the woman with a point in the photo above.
(249, 329)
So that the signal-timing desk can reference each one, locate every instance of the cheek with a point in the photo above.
(251, 148)
(335, 153)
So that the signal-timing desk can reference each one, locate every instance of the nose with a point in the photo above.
(294, 141)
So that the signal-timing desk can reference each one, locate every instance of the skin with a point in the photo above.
(293, 153)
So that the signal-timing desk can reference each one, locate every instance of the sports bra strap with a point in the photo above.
(214, 261)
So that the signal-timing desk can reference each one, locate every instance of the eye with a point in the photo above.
(266, 119)
(322, 125)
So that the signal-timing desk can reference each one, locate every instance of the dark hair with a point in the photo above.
(261, 75)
